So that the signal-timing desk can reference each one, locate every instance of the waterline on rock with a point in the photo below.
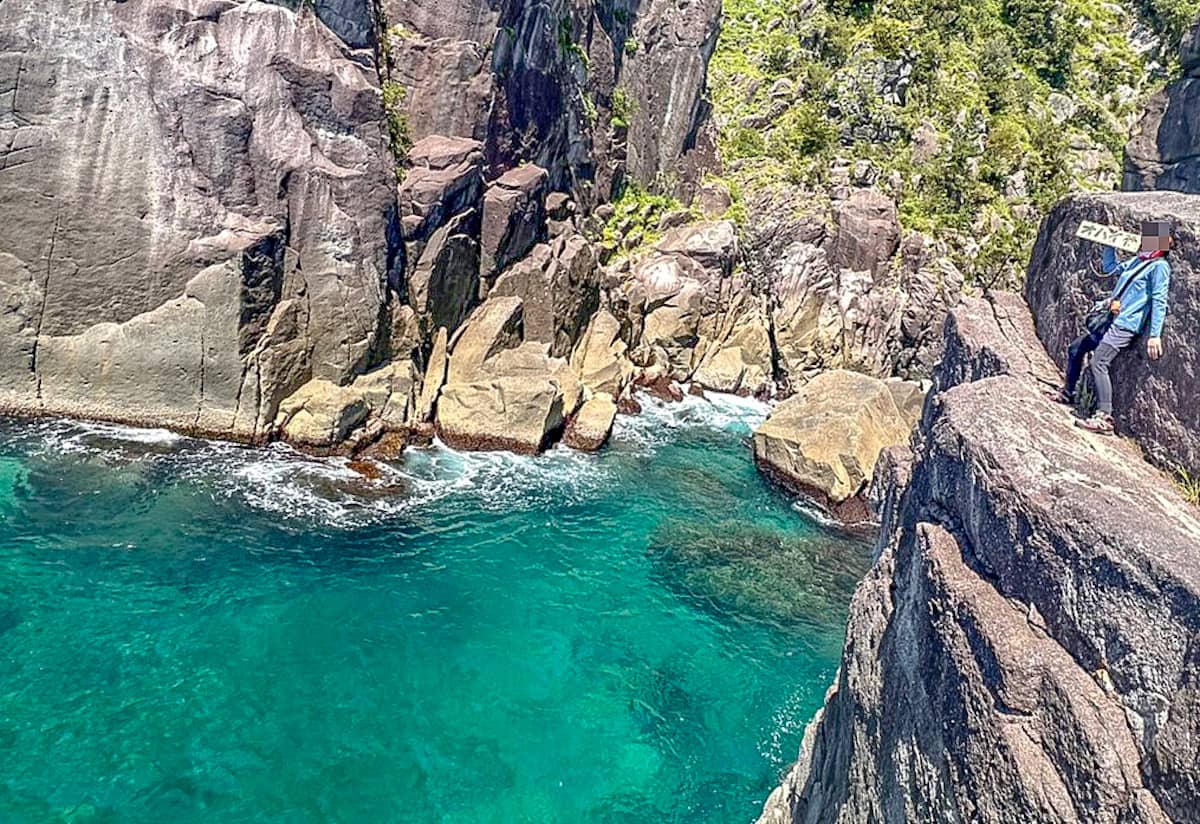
(249, 634)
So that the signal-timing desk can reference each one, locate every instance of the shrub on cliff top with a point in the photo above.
(1029, 98)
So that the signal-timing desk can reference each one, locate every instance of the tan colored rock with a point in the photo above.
(909, 397)
(600, 359)
(389, 393)
(591, 428)
(320, 414)
(516, 413)
(739, 357)
(492, 328)
(503, 392)
(826, 438)
(435, 377)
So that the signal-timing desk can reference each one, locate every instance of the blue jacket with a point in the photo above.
(1147, 295)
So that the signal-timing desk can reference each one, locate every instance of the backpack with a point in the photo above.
(1101, 315)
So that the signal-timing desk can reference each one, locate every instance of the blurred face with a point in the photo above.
(1156, 237)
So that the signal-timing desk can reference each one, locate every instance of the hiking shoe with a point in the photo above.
(1099, 423)
(1061, 396)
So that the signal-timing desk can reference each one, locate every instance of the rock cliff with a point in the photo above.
(1164, 152)
(198, 201)
(1025, 647)
(221, 215)
(582, 88)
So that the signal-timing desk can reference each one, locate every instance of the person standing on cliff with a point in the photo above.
(1138, 303)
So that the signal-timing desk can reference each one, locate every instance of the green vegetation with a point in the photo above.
(399, 138)
(976, 115)
(623, 107)
(566, 40)
(1189, 485)
(635, 219)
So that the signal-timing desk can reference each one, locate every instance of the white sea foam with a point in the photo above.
(280, 480)
(661, 421)
(83, 437)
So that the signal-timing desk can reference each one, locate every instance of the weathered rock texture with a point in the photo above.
(503, 390)
(197, 204)
(1164, 152)
(844, 288)
(825, 439)
(1025, 647)
(536, 82)
(1157, 402)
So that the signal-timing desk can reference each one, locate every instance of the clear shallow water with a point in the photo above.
(192, 631)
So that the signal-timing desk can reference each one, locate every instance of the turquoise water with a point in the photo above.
(195, 632)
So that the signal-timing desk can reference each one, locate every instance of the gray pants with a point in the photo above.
(1110, 346)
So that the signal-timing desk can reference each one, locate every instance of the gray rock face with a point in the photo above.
(1156, 402)
(351, 20)
(197, 199)
(558, 283)
(514, 218)
(445, 179)
(536, 82)
(1024, 648)
(845, 290)
(1164, 152)
(666, 79)
(866, 234)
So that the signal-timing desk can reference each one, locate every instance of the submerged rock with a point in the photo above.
(825, 439)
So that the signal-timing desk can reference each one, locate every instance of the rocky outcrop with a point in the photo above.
(1156, 402)
(690, 316)
(198, 205)
(325, 417)
(844, 288)
(600, 358)
(591, 426)
(1164, 152)
(514, 218)
(824, 440)
(503, 391)
(559, 285)
(1024, 648)
(537, 82)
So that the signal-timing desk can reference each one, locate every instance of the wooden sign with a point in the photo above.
(1110, 236)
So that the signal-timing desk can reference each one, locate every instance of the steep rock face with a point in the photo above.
(538, 82)
(845, 289)
(1024, 648)
(1157, 402)
(1164, 152)
(198, 206)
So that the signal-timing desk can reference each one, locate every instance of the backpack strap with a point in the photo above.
(1132, 278)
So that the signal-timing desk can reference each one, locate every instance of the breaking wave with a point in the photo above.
(279, 480)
